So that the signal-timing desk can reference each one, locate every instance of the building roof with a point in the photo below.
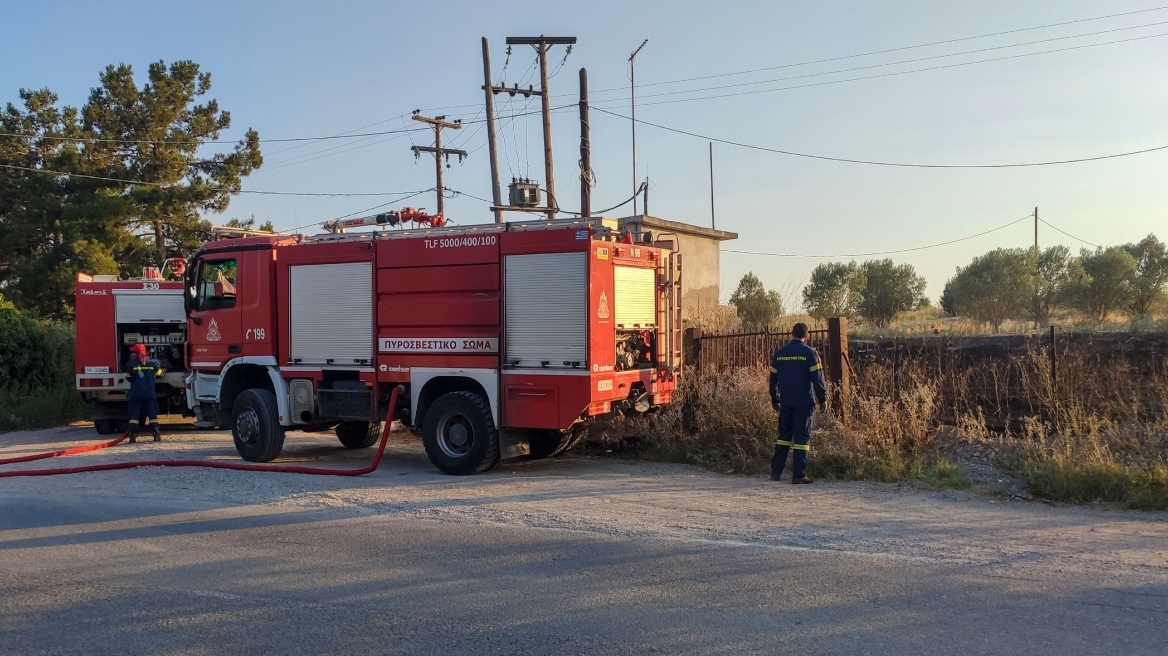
(663, 225)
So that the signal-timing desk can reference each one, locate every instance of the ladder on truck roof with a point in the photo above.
(605, 224)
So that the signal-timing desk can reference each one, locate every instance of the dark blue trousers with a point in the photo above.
(143, 409)
(794, 433)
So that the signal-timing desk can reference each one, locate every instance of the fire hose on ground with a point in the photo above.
(286, 469)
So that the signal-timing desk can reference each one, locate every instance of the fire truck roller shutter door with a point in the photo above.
(330, 310)
(635, 289)
(546, 309)
(149, 306)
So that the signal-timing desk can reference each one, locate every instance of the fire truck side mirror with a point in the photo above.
(189, 277)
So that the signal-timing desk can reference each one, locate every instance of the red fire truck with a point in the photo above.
(505, 337)
(114, 314)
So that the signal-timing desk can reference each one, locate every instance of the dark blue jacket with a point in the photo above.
(141, 376)
(795, 373)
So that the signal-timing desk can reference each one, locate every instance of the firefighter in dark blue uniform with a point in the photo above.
(796, 385)
(141, 372)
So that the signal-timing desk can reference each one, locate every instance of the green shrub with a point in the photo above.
(33, 354)
(36, 372)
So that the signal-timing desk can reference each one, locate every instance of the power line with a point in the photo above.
(242, 191)
(892, 74)
(880, 163)
(902, 250)
(284, 150)
(82, 175)
(1049, 225)
(327, 152)
(206, 141)
(299, 193)
(888, 50)
(918, 59)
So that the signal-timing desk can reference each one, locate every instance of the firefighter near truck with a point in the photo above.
(112, 317)
(503, 339)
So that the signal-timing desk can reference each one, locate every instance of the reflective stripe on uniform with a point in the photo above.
(133, 421)
(774, 371)
(783, 443)
(817, 367)
(801, 447)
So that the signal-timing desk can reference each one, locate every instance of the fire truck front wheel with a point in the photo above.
(358, 434)
(459, 434)
(255, 426)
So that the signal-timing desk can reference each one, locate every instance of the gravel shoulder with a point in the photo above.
(621, 498)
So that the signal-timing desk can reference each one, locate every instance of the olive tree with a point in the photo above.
(757, 306)
(993, 287)
(833, 290)
(886, 288)
(1106, 285)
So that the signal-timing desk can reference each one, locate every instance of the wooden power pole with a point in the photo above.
(440, 153)
(541, 43)
(585, 150)
(496, 194)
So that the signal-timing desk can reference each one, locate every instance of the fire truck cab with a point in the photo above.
(504, 338)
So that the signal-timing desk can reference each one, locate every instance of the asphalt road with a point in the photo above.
(86, 571)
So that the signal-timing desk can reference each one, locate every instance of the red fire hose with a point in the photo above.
(287, 469)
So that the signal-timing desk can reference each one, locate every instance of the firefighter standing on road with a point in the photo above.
(141, 372)
(796, 385)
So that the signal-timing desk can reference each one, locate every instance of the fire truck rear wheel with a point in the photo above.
(255, 426)
(110, 426)
(358, 434)
(459, 435)
(551, 443)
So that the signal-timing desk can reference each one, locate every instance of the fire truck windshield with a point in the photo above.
(216, 286)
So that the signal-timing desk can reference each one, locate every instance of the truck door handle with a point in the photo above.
(235, 348)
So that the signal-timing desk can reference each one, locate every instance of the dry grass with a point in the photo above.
(726, 424)
(1099, 431)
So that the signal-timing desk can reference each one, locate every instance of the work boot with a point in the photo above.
(802, 480)
(157, 437)
(776, 477)
(133, 438)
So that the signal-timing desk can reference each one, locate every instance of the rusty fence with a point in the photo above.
(707, 354)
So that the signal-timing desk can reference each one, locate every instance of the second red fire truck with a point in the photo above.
(506, 338)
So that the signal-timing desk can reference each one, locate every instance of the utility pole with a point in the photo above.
(1036, 232)
(440, 153)
(496, 194)
(712, 224)
(541, 43)
(633, 106)
(585, 150)
(645, 187)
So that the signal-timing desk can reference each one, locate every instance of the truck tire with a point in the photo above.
(459, 434)
(358, 434)
(551, 443)
(110, 426)
(255, 426)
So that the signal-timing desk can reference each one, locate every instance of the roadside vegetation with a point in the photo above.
(1094, 430)
(725, 423)
(36, 372)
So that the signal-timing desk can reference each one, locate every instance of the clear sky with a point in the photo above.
(295, 69)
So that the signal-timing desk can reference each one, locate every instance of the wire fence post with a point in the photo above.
(1053, 359)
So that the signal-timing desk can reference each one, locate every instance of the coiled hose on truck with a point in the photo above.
(238, 466)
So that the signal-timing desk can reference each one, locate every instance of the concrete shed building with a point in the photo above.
(700, 248)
